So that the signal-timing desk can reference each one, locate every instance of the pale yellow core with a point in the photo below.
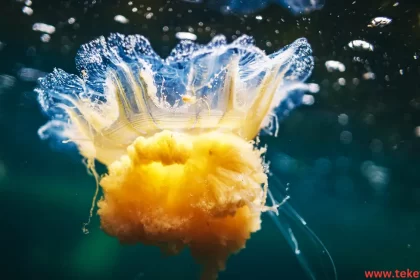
(176, 190)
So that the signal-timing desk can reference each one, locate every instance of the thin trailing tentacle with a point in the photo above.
(285, 220)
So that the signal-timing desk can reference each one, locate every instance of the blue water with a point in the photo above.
(355, 182)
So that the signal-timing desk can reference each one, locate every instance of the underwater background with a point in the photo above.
(351, 161)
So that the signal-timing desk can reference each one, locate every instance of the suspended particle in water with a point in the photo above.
(121, 19)
(417, 131)
(308, 99)
(369, 76)
(380, 22)
(355, 81)
(369, 119)
(186, 36)
(361, 45)
(148, 15)
(333, 65)
(346, 137)
(343, 119)
(45, 38)
(43, 27)
(377, 176)
(27, 10)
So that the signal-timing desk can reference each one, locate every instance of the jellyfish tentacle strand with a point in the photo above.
(285, 220)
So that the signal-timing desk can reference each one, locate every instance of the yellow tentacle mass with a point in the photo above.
(175, 190)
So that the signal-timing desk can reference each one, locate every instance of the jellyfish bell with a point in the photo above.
(177, 136)
(126, 90)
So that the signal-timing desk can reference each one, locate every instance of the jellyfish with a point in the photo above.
(178, 137)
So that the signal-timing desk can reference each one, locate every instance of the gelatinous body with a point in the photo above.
(127, 90)
(177, 136)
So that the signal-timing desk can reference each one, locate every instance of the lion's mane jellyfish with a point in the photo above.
(177, 136)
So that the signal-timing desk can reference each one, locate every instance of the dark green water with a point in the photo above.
(367, 221)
